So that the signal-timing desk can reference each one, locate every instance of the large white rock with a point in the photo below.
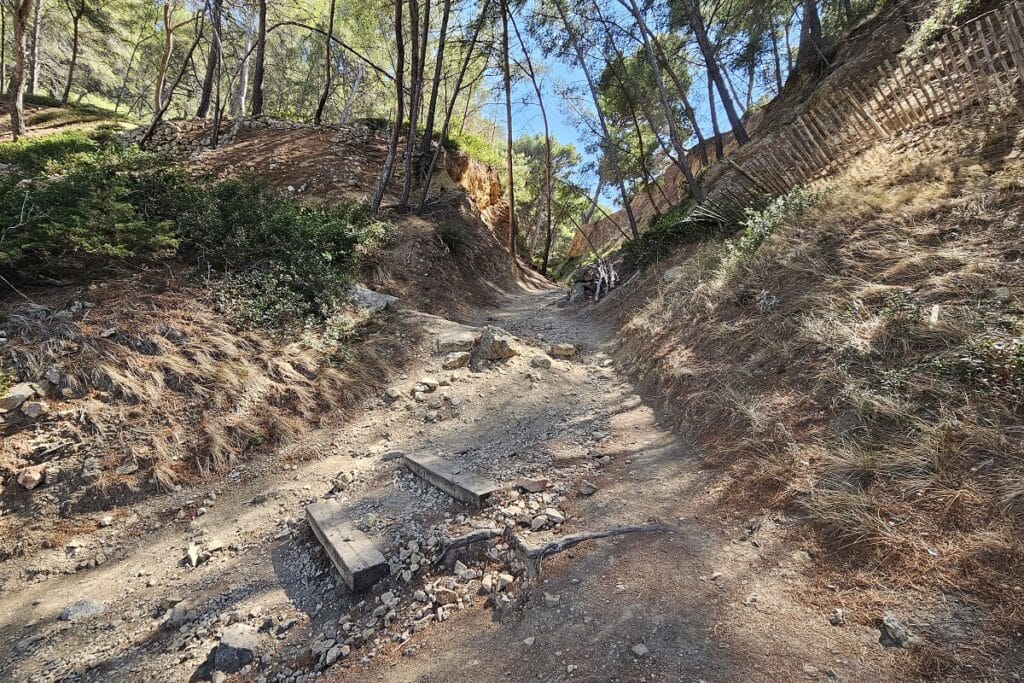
(369, 300)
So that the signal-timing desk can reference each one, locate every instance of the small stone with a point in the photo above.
(427, 384)
(34, 409)
(554, 515)
(109, 332)
(31, 477)
(128, 468)
(237, 648)
(504, 580)
(587, 489)
(640, 650)
(456, 341)
(1001, 294)
(528, 642)
(540, 362)
(83, 609)
(106, 520)
(17, 395)
(538, 522)
(894, 633)
(496, 344)
(838, 617)
(532, 485)
(444, 596)
(91, 470)
(562, 351)
(810, 671)
(456, 360)
(551, 600)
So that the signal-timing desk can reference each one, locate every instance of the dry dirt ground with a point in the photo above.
(715, 598)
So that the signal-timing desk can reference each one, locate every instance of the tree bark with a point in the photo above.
(3, 47)
(691, 114)
(328, 68)
(611, 151)
(158, 115)
(261, 58)
(548, 190)
(213, 63)
(416, 87)
(507, 77)
(457, 89)
(76, 20)
(428, 128)
(811, 50)
(777, 58)
(20, 11)
(719, 143)
(396, 132)
(714, 72)
(241, 93)
(33, 82)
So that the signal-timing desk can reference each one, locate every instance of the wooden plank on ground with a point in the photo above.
(356, 556)
(466, 487)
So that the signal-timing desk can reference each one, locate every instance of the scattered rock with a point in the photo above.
(444, 596)
(640, 650)
(17, 395)
(1001, 294)
(504, 581)
(532, 485)
(552, 600)
(129, 468)
(83, 609)
(237, 648)
(456, 360)
(34, 409)
(109, 332)
(369, 300)
(31, 477)
(838, 617)
(554, 515)
(528, 642)
(587, 489)
(562, 351)
(91, 470)
(894, 633)
(673, 274)
(456, 341)
(496, 344)
(427, 385)
(540, 362)
(538, 522)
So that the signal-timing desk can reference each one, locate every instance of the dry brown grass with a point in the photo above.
(177, 390)
(869, 399)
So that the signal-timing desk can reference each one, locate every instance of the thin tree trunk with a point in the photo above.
(507, 76)
(811, 50)
(20, 11)
(261, 59)
(213, 63)
(589, 216)
(328, 68)
(237, 107)
(457, 89)
(428, 129)
(396, 132)
(776, 57)
(612, 153)
(159, 113)
(673, 131)
(33, 82)
(165, 59)
(76, 20)
(688, 109)
(548, 224)
(414, 95)
(713, 107)
(3, 47)
(714, 72)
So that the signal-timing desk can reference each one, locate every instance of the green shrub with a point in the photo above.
(6, 381)
(663, 235)
(761, 223)
(75, 207)
(452, 235)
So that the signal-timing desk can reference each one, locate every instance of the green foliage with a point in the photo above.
(759, 224)
(74, 207)
(663, 235)
(478, 148)
(6, 381)
(452, 236)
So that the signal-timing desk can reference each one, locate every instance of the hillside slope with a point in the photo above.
(854, 356)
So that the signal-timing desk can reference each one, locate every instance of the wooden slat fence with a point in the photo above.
(975, 63)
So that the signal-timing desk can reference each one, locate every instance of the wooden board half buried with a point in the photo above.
(466, 487)
(357, 558)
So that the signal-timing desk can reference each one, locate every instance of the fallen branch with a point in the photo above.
(478, 536)
(538, 553)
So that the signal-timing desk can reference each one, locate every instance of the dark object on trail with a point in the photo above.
(594, 280)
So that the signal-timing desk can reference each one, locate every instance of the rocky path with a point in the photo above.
(229, 580)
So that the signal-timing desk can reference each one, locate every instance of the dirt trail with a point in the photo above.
(716, 599)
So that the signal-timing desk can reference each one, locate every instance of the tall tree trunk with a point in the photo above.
(20, 11)
(611, 151)
(453, 101)
(673, 130)
(33, 81)
(396, 132)
(3, 47)
(213, 63)
(165, 58)
(548, 190)
(416, 87)
(328, 68)
(76, 20)
(811, 50)
(428, 128)
(261, 59)
(713, 107)
(777, 58)
(691, 114)
(594, 203)
(507, 76)
(714, 72)
(237, 107)
(158, 115)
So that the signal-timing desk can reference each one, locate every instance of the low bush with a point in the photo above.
(663, 235)
(74, 207)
